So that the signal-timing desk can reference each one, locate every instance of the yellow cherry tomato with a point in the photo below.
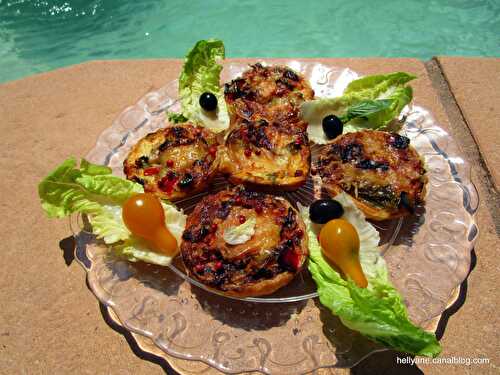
(143, 215)
(340, 243)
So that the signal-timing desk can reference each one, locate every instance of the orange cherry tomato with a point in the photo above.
(144, 216)
(340, 243)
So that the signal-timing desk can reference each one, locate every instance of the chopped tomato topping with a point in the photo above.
(167, 184)
(199, 268)
(292, 259)
(212, 150)
(151, 171)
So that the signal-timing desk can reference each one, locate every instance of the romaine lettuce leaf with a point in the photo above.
(108, 224)
(93, 190)
(377, 86)
(362, 93)
(176, 118)
(136, 249)
(201, 73)
(68, 189)
(378, 311)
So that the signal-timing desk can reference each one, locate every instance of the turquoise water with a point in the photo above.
(37, 35)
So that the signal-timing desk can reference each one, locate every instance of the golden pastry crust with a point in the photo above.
(264, 91)
(267, 143)
(381, 171)
(266, 154)
(174, 162)
(267, 261)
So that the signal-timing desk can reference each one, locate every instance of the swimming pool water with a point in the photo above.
(39, 35)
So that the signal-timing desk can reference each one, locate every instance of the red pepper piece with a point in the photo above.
(212, 150)
(151, 171)
(167, 184)
(199, 268)
(291, 259)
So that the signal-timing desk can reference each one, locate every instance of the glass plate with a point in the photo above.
(428, 256)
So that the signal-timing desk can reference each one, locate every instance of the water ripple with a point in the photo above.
(38, 35)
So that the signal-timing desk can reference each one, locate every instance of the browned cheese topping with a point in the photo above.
(276, 247)
(173, 162)
(267, 142)
(377, 167)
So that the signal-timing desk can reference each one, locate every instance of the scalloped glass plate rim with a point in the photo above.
(462, 179)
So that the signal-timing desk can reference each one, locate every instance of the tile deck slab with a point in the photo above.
(475, 84)
(50, 322)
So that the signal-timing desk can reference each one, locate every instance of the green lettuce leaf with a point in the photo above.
(201, 73)
(176, 118)
(108, 224)
(136, 250)
(94, 191)
(68, 189)
(370, 102)
(377, 86)
(378, 311)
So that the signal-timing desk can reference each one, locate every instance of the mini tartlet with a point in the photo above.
(274, 252)
(381, 171)
(174, 162)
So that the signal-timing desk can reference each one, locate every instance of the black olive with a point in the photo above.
(208, 101)
(198, 163)
(367, 164)
(324, 210)
(188, 236)
(138, 180)
(165, 145)
(186, 180)
(400, 141)
(171, 175)
(405, 202)
(352, 151)
(372, 164)
(332, 126)
(223, 210)
(234, 89)
(291, 75)
(142, 162)
(262, 273)
(179, 132)
(289, 219)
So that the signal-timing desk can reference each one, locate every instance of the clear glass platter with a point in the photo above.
(428, 256)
